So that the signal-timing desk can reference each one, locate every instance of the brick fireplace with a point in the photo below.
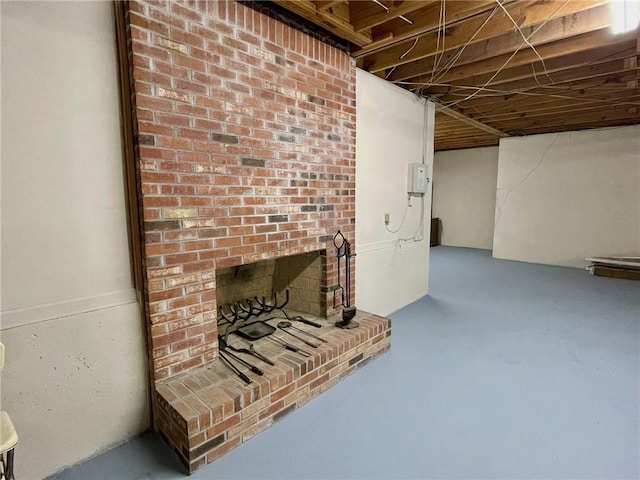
(245, 154)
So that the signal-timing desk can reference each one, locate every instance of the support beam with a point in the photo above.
(632, 63)
(605, 74)
(327, 4)
(424, 20)
(338, 26)
(526, 14)
(469, 121)
(376, 15)
(564, 65)
(523, 106)
(463, 74)
(554, 30)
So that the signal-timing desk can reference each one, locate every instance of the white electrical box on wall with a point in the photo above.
(417, 179)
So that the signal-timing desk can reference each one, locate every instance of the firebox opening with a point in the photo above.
(301, 274)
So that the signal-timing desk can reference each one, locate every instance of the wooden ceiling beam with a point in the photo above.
(595, 75)
(558, 108)
(479, 28)
(634, 62)
(465, 142)
(459, 116)
(442, 147)
(524, 105)
(365, 21)
(568, 79)
(424, 20)
(475, 142)
(327, 4)
(555, 66)
(455, 135)
(594, 115)
(580, 126)
(587, 21)
(541, 96)
(584, 43)
(338, 26)
(460, 129)
(593, 118)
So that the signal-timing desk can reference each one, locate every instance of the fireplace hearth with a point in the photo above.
(206, 412)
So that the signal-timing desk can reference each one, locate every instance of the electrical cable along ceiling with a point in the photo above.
(497, 68)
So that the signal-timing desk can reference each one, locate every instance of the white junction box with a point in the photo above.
(417, 179)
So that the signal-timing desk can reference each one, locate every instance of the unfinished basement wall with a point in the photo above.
(562, 197)
(75, 379)
(464, 196)
(393, 268)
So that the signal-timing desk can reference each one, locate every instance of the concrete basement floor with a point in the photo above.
(506, 370)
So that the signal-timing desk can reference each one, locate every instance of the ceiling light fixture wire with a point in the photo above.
(401, 57)
(526, 41)
(455, 58)
(389, 73)
(379, 3)
(533, 48)
(442, 22)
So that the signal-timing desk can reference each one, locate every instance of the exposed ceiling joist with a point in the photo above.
(506, 44)
(477, 29)
(424, 20)
(584, 43)
(562, 69)
(377, 15)
(519, 107)
(607, 74)
(543, 73)
(323, 5)
(338, 26)
(470, 121)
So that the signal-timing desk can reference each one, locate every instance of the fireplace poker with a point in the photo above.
(301, 319)
(285, 325)
(290, 325)
(222, 347)
(288, 346)
(252, 351)
(235, 369)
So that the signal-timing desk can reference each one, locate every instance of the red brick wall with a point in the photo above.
(246, 151)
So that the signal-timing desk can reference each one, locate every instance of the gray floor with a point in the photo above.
(506, 370)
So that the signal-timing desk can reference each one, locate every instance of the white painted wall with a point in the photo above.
(464, 196)
(562, 197)
(390, 128)
(75, 377)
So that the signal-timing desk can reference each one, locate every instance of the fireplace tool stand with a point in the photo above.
(343, 249)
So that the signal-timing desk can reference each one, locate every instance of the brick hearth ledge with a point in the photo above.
(208, 411)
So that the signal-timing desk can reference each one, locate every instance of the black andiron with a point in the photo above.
(343, 249)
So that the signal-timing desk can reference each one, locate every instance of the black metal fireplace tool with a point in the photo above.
(237, 318)
(226, 356)
(284, 326)
(343, 250)
(251, 351)
(288, 346)
(240, 312)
